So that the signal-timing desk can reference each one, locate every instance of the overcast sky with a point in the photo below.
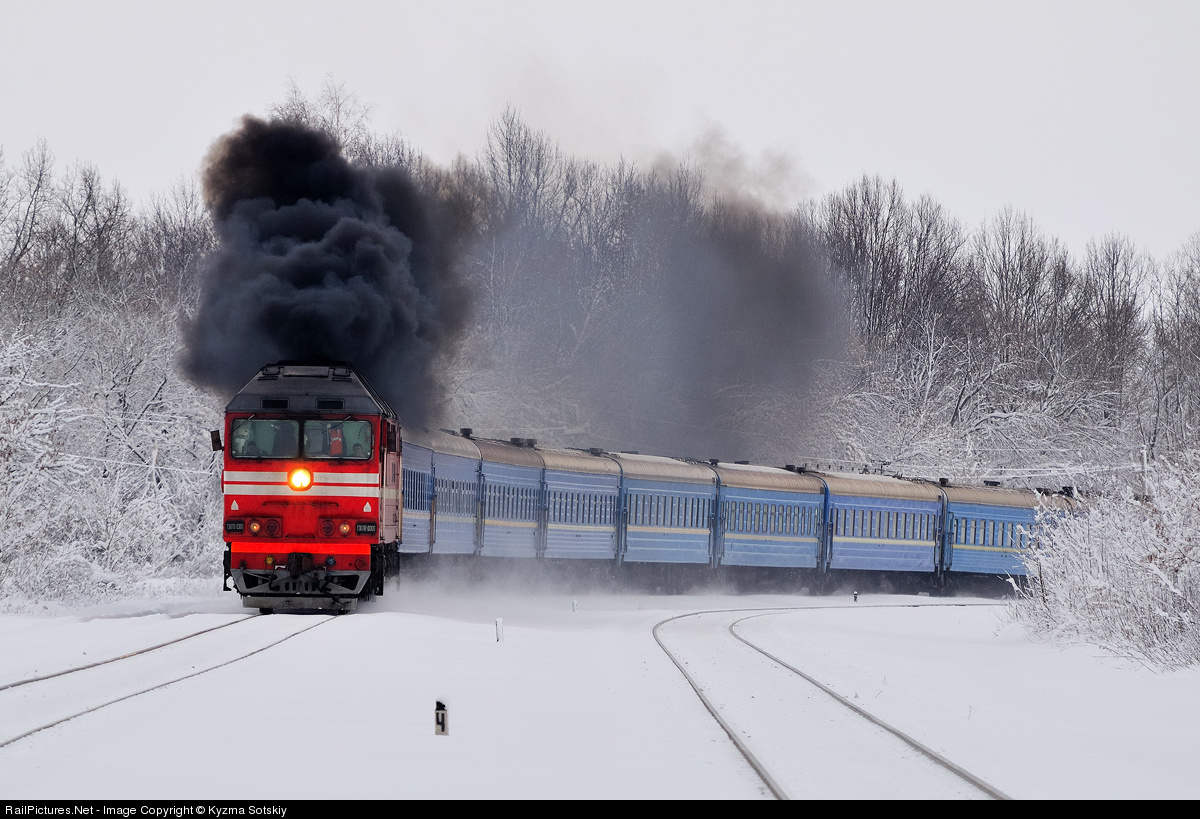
(1084, 114)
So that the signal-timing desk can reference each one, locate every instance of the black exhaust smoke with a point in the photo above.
(320, 259)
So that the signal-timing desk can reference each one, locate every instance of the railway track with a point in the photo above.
(34, 704)
(74, 669)
(802, 738)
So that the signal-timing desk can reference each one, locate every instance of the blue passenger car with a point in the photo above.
(498, 499)
(583, 494)
(510, 500)
(416, 486)
(768, 517)
(455, 496)
(668, 510)
(988, 529)
(882, 523)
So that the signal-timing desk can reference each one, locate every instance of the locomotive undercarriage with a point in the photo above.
(316, 589)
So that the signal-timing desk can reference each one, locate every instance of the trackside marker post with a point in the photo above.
(499, 629)
(441, 723)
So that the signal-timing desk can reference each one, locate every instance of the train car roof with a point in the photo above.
(752, 476)
(993, 496)
(656, 467)
(879, 486)
(574, 460)
(441, 442)
(505, 453)
(308, 388)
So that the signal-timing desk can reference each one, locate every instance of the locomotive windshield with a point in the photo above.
(275, 438)
(253, 438)
(337, 439)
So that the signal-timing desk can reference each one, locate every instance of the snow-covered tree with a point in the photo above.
(1124, 572)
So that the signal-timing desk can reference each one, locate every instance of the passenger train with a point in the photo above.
(324, 494)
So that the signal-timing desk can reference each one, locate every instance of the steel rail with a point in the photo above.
(916, 745)
(749, 756)
(745, 751)
(29, 733)
(19, 683)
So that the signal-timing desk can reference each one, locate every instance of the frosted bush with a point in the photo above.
(1124, 573)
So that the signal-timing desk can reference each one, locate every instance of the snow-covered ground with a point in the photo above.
(579, 701)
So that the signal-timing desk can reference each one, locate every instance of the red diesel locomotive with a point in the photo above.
(311, 489)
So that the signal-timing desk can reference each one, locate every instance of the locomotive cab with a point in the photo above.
(311, 490)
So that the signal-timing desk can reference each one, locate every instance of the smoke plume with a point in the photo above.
(320, 259)
(655, 310)
(728, 332)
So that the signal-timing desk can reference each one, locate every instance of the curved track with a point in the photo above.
(35, 704)
(801, 737)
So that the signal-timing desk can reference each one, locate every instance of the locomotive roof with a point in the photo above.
(308, 388)
(752, 476)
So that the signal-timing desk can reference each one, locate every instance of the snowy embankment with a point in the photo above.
(583, 703)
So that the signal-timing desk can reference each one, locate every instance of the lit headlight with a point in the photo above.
(344, 528)
(254, 527)
(300, 479)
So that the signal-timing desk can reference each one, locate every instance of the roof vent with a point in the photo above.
(595, 450)
(1069, 491)
(465, 432)
(330, 404)
(274, 403)
(991, 483)
(530, 442)
(742, 463)
(944, 481)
